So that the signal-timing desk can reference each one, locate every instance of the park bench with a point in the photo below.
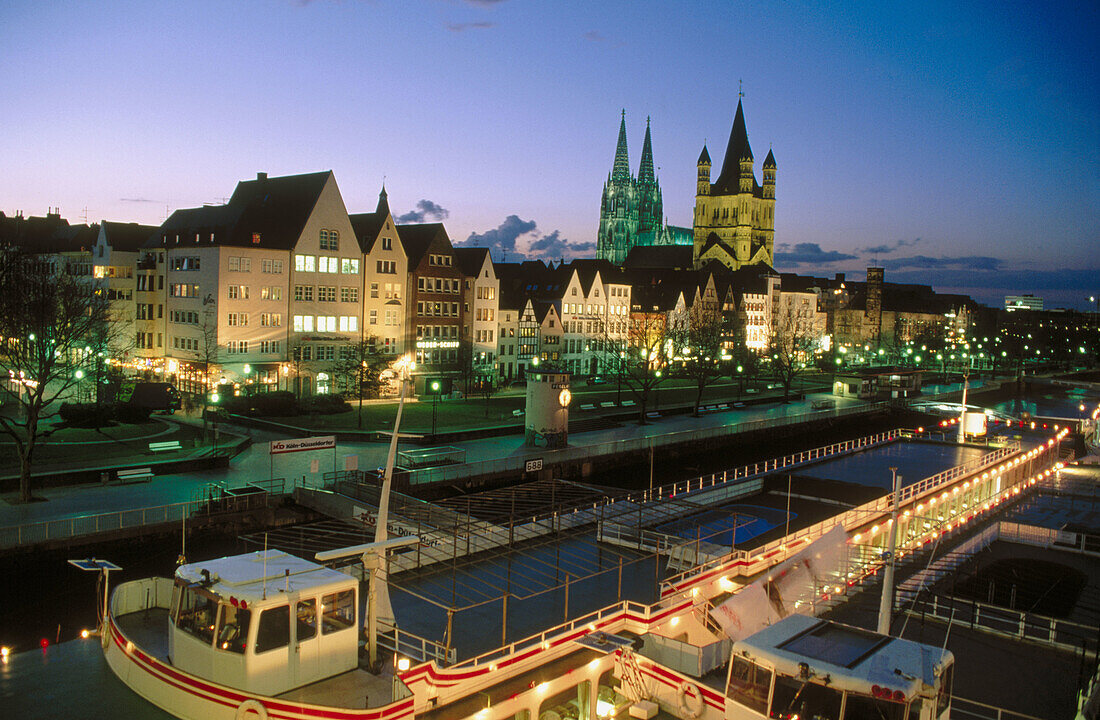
(822, 404)
(517, 413)
(132, 475)
(653, 415)
(588, 406)
(164, 446)
(739, 404)
(607, 404)
(628, 403)
(722, 406)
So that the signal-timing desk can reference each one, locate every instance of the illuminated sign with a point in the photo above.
(430, 344)
(328, 442)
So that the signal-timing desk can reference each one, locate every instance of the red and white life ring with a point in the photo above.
(691, 701)
(251, 706)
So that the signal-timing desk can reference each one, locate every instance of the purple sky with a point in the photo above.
(956, 146)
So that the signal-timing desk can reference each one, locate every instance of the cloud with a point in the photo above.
(808, 253)
(516, 236)
(594, 36)
(480, 25)
(554, 245)
(966, 262)
(504, 236)
(889, 248)
(426, 211)
(139, 200)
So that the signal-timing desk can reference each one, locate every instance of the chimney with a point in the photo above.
(261, 176)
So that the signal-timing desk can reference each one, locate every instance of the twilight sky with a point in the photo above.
(956, 144)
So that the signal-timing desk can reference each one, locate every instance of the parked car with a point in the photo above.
(596, 380)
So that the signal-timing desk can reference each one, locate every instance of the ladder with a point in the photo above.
(633, 682)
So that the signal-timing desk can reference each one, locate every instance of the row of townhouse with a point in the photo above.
(279, 285)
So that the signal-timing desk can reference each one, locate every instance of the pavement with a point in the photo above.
(255, 463)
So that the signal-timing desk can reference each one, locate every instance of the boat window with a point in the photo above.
(274, 630)
(233, 628)
(804, 699)
(571, 704)
(749, 684)
(197, 612)
(863, 707)
(306, 613)
(943, 699)
(339, 611)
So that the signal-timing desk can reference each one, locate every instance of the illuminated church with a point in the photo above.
(735, 215)
(631, 211)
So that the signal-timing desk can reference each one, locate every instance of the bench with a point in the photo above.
(822, 404)
(163, 446)
(653, 415)
(722, 406)
(517, 413)
(132, 475)
(588, 406)
(607, 404)
(739, 404)
(628, 403)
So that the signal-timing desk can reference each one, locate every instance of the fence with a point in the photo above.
(1049, 537)
(550, 457)
(1006, 622)
(412, 646)
(973, 710)
(85, 525)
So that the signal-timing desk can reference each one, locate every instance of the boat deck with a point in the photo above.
(358, 689)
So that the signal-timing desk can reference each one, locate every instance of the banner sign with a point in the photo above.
(328, 442)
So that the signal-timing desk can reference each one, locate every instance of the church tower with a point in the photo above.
(734, 215)
(618, 207)
(650, 209)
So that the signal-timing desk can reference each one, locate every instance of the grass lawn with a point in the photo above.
(78, 447)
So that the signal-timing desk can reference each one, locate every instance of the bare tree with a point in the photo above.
(701, 342)
(640, 355)
(48, 320)
(206, 354)
(791, 345)
(358, 367)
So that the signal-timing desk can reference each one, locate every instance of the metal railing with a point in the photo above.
(87, 525)
(413, 646)
(550, 457)
(778, 549)
(1006, 622)
(1048, 537)
(973, 710)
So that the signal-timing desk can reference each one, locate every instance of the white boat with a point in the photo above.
(270, 635)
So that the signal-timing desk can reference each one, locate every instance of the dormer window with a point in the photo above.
(255, 238)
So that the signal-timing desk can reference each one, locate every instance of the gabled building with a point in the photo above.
(480, 306)
(434, 316)
(385, 279)
(114, 262)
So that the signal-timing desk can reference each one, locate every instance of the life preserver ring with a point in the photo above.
(691, 701)
(253, 706)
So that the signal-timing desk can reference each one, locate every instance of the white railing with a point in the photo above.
(964, 709)
(1016, 624)
(85, 525)
(413, 646)
(1048, 537)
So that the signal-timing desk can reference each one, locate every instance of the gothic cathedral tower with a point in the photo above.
(735, 215)
(631, 210)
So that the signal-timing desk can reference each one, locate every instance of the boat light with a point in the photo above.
(4, 652)
(542, 687)
(402, 664)
(84, 633)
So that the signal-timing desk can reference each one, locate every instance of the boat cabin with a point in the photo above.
(805, 667)
(264, 622)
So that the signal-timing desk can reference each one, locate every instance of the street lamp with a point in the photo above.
(435, 399)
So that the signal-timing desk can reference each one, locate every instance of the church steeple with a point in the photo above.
(383, 208)
(737, 150)
(621, 169)
(645, 170)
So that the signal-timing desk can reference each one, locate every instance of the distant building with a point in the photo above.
(1023, 302)
(735, 215)
(631, 209)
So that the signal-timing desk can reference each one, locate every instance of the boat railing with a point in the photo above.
(964, 709)
(777, 550)
(99, 523)
(406, 644)
(138, 595)
(683, 657)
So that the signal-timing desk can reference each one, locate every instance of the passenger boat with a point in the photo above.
(271, 635)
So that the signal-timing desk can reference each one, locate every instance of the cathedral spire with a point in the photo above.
(383, 208)
(645, 170)
(621, 169)
(736, 150)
